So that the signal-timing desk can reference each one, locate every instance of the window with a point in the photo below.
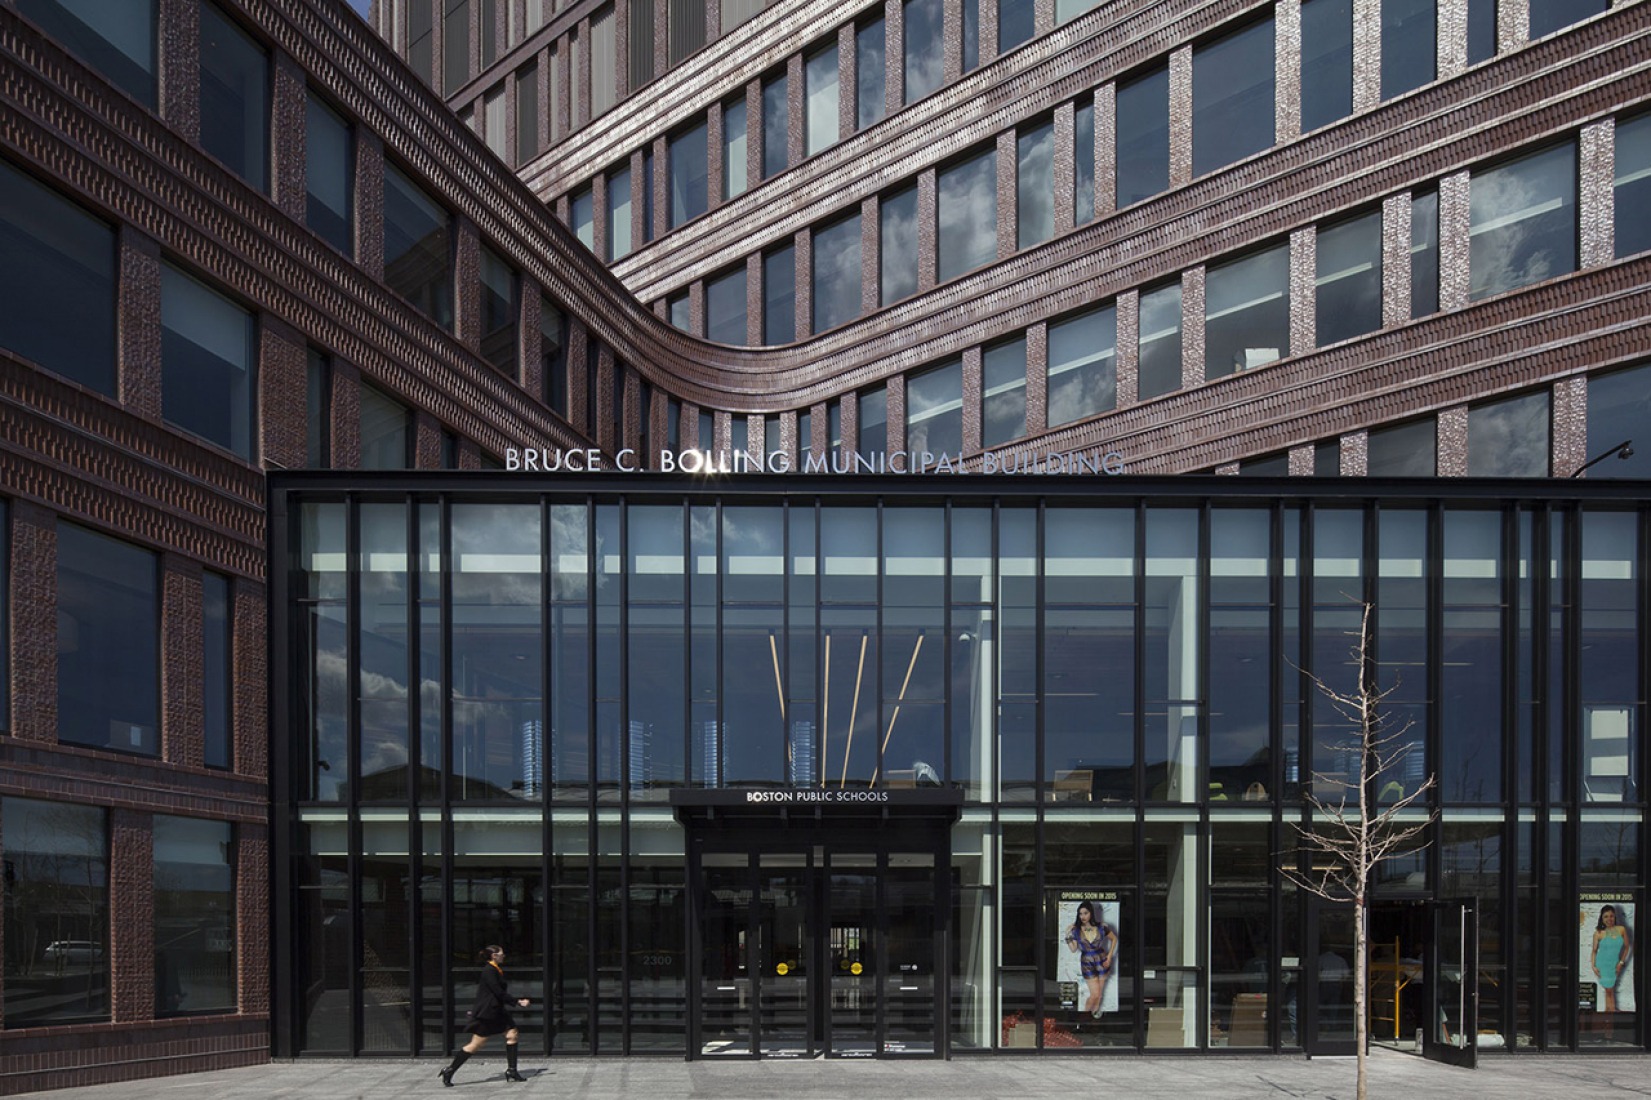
(194, 914)
(1633, 186)
(1083, 148)
(118, 40)
(805, 437)
(647, 196)
(1349, 280)
(1143, 137)
(641, 42)
(725, 307)
(967, 214)
(329, 170)
(837, 273)
(418, 248)
(820, 102)
(1035, 185)
(870, 74)
(557, 59)
(495, 122)
(1327, 459)
(234, 98)
(1016, 23)
(1406, 450)
(1274, 465)
(582, 216)
(733, 148)
(57, 286)
(1619, 407)
(686, 28)
(874, 422)
(924, 52)
(735, 12)
(5, 622)
(971, 35)
(1424, 254)
(1003, 392)
(57, 857)
(834, 427)
(1548, 16)
(553, 356)
(206, 362)
(1232, 97)
(1410, 49)
(679, 309)
(456, 49)
(1160, 347)
(498, 301)
(1247, 312)
(934, 411)
(776, 126)
(318, 412)
(1510, 437)
(1083, 366)
(897, 245)
(688, 175)
(527, 114)
(619, 214)
(1068, 10)
(108, 644)
(421, 40)
(1481, 30)
(386, 432)
(1522, 224)
(779, 295)
(1326, 62)
(604, 62)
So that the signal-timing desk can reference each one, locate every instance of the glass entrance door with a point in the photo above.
(785, 952)
(852, 952)
(1327, 977)
(1452, 1034)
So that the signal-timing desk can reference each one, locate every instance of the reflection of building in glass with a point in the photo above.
(800, 771)
(532, 756)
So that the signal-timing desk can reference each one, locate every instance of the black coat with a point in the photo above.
(490, 1015)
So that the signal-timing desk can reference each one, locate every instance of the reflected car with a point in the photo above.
(74, 951)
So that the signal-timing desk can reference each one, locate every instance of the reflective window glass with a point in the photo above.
(820, 101)
(619, 214)
(456, 44)
(934, 410)
(1003, 392)
(1247, 312)
(968, 215)
(495, 122)
(1424, 254)
(686, 30)
(1066, 10)
(870, 74)
(108, 643)
(118, 40)
(318, 411)
(1160, 346)
(527, 114)
(779, 295)
(1016, 23)
(733, 149)
(1410, 50)
(1509, 438)
(604, 61)
(1232, 97)
(57, 286)
(679, 309)
(582, 216)
(234, 97)
(1633, 185)
(688, 175)
(1143, 137)
(1326, 62)
(1523, 221)
(1348, 285)
(874, 422)
(418, 249)
(386, 432)
(1548, 16)
(1035, 185)
(897, 245)
(194, 913)
(1083, 152)
(498, 302)
(725, 307)
(329, 170)
(776, 126)
(1619, 407)
(1404, 450)
(1481, 30)
(837, 273)
(57, 912)
(207, 353)
(925, 54)
(1083, 365)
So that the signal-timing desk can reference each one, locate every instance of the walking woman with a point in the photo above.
(490, 1016)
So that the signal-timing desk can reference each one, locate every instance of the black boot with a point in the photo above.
(510, 1073)
(459, 1059)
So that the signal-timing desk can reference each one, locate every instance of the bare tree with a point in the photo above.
(1351, 832)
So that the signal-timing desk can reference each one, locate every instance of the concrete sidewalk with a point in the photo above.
(1393, 1075)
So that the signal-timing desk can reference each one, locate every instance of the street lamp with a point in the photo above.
(1625, 449)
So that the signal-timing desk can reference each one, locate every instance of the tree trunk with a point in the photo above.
(1361, 983)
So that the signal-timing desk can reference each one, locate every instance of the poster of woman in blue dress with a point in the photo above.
(1088, 949)
(1607, 942)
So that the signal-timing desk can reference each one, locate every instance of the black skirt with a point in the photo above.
(493, 1025)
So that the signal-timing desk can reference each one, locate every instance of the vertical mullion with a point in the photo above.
(547, 740)
(624, 628)
(593, 649)
(352, 765)
(1275, 737)
(1201, 781)
(446, 585)
(415, 847)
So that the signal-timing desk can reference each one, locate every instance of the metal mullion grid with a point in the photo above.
(415, 846)
(1136, 921)
(624, 628)
(1541, 618)
(1433, 856)
(547, 657)
(593, 998)
(880, 896)
(283, 818)
(1203, 841)
(1570, 876)
(352, 741)
(1275, 736)
(784, 672)
(1306, 697)
(1509, 878)
(446, 792)
(948, 640)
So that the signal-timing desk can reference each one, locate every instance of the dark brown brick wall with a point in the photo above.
(250, 659)
(36, 1059)
(32, 614)
(131, 915)
(183, 654)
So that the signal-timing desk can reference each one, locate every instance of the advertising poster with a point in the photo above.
(1087, 948)
(1606, 943)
